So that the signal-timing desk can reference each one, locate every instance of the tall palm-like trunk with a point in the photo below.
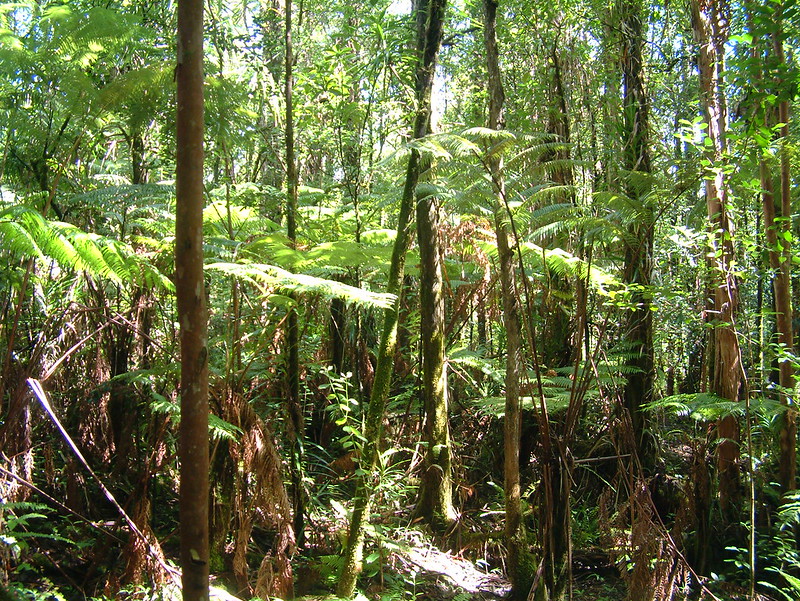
(639, 243)
(429, 39)
(191, 298)
(514, 533)
(710, 22)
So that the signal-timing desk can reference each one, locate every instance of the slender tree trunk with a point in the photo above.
(639, 247)
(428, 42)
(350, 148)
(782, 282)
(710, 21)
(139, 170)
(777, 230)
(296, 428)
(191, 299)
(516, 543)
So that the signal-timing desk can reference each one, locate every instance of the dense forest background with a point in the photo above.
(504, 283)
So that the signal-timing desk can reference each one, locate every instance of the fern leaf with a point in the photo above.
(25, 233)
(268, 277)
(700, 407)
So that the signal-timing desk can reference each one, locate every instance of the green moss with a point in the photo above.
(216, 562)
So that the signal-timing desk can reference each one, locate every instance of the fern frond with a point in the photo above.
(458, 146)
(275, 248)
(244, 221)
(25, 233)
(477, 361)
(17, 240)
(28, 234)
(138, 92)
(269, 277)
(488, 137)
(531, 154)
(566, 264)
(341, 254)
(548, 194)
(431, 146)
(702, 406)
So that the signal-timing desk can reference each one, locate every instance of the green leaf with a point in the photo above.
(269, 277)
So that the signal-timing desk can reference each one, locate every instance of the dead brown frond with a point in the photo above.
(649, 554)
(657, 572)
(143, 559)
(260, 501)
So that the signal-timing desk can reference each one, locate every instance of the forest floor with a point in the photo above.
(441, 576)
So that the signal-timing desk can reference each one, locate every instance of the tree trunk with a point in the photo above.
(138, 165)
(296, 429)
(428, 43)
(519, 570)
(191, 300)
(710, 21)
(781, 262)
(435, 502)
(436, 490)
(639, 244)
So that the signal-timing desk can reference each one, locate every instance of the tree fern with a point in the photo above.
(26, 234)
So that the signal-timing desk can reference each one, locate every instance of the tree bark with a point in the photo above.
(639, 245)
(710, 22)
(429, 40)
(515, 539)
(436, 490)
(781, 262)
(435, 502)
(296, 430)
(191, 300)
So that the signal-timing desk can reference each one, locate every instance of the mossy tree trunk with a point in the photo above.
(436, 490)
(639, 242)
(435, 502)
(519, 569)
(428, 42)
